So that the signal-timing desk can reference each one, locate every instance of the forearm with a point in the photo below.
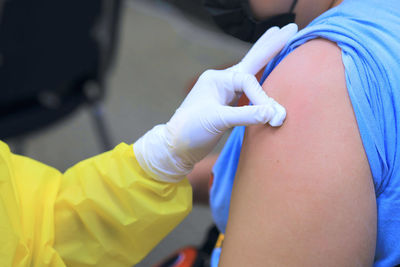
(109, 212)
(199, 178)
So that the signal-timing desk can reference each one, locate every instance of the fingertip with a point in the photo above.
(276, 122)
(265, 38)
(266, 112)
(290, 29)
(273, 29)
(279, 117)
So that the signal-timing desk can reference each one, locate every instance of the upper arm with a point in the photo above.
(303, 193)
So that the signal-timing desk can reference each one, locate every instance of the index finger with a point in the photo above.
(266, 48)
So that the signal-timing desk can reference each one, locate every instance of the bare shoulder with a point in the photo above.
(304, 192)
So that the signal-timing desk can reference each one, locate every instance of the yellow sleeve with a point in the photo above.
(104, 211)
(28, 191)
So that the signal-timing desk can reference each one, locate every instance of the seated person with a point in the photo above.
(324, 189)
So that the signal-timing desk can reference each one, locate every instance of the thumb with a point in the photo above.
(245, 115)
(249, 84)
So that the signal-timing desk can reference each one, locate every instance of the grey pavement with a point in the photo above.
(161, 52)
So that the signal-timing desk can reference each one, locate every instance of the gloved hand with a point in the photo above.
(169, 151)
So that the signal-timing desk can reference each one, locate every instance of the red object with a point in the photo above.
(185, 257)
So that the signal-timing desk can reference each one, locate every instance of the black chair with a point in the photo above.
(54, 57)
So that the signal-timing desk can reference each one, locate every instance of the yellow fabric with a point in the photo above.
(104, 211)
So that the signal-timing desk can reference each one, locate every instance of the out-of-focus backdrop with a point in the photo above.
(163, 47)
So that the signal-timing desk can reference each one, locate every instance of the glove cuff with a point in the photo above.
(157, 158)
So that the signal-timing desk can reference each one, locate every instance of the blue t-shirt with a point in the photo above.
(368, 33)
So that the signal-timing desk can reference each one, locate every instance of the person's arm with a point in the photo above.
(109, 212)
(104, 211)
(303, 194)
(199, 178)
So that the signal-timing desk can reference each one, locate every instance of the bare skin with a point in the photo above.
(306, 11)
(303, 193)
(200, 178)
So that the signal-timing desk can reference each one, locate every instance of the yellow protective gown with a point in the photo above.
(104, 211)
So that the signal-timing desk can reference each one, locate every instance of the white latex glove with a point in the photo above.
(169, 151)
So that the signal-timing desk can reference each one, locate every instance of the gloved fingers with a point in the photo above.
(240, 67)
(265, 49)
(256, 55)
(257, 96)
(247, 83)
(245, 115)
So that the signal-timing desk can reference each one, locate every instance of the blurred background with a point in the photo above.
(142, 58)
